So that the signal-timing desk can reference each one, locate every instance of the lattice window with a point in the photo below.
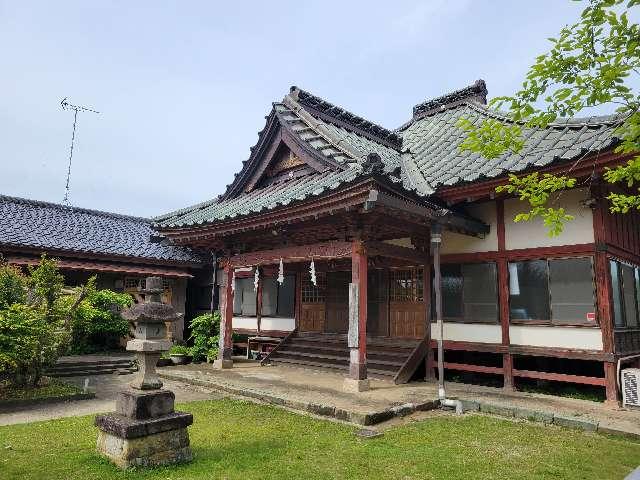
(140, 283)
(312, 293)
(406, 285)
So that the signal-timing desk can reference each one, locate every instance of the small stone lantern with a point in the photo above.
(145, 430)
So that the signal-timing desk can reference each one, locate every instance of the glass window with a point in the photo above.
(618, 318)
(480, 292)
(244, 297)
(529, 290)
(625, 294)
(629, 294)
(278, 300)
(451, 279)
(571, 290)
(406, 285)
(469, 292)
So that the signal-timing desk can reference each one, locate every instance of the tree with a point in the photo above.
(591, 63)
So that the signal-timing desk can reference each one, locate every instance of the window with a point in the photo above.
(314, 293)
(406, 285)
(469, 292)
(278, 300)
(557, 291)
(625, 285)
(244, 297)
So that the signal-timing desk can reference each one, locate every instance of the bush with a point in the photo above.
(13, 286)
(97, 322)
(28, 343)
(180, 350)
(205, 331)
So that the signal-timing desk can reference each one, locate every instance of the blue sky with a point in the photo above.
(183, 87)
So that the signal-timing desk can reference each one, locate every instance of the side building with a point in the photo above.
(120, 250)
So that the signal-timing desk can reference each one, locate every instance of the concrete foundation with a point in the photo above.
(353, 386)
(222, 364)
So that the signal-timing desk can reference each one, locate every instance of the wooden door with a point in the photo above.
(406, 303)
(312, 304)
(337, 302)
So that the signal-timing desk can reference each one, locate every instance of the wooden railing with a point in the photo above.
(265, 360)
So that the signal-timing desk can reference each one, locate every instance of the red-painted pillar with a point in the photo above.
(357, 337)
(226, 323)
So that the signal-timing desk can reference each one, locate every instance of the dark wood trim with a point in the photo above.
(298, 253)
(503, 296)
(412, 362)
(559, 377)
(464, 367)
(534, 253)
(394, 251)
(226, 327)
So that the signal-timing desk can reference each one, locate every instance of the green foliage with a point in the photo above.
(205, 330)
(96, 320)
(13, 286)
(536, 191)
(179, 350)
(46, 284)
(28, 342)
(591, 63)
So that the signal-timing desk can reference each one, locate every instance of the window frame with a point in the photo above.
(550, 321)
(636, 294)
(277, 297)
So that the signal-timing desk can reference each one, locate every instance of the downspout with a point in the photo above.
(436, 240)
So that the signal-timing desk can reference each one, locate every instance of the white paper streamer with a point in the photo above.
(312, 271)
(281, 273)
(256, 279)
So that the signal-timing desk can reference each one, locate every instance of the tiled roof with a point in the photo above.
(49, 226)
(433, 143)
(420, 156)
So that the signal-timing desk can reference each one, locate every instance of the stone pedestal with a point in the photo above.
(222, 363)
(144, 430)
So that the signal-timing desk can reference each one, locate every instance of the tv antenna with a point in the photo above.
(76, 108)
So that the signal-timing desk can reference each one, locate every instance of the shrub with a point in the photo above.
(179, 350)
(13, 286)
(97, 322)
(205, 331)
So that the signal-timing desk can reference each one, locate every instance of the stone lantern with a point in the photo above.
(145, 430)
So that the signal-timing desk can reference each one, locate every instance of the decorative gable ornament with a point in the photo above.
(256, 280)
(281, 273)
(312, 272)
(373, 165)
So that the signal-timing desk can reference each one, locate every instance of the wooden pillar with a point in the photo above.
(503, 297)
(602, 275)
(226, 323)
(357, 380)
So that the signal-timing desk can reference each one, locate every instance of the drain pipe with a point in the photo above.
(436, 240)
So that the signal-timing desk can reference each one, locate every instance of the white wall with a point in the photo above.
(556, 337)
(266, 323)
(534, 233)
(458, 243)
(468, 332)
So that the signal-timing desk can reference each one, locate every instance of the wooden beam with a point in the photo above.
(388, 250)
(298, 253)
(503, 297)
(410, 365)
(472, 368)
(559, 377)
(358, 316)
(226, 326)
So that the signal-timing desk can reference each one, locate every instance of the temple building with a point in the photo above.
(120, 250)
(336, 231)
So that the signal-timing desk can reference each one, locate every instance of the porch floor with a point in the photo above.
(296, 388)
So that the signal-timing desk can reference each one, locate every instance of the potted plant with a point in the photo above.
(180, 354)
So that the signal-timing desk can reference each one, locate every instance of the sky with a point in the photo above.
(183, 87)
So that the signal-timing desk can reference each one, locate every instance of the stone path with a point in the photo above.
(106, 387)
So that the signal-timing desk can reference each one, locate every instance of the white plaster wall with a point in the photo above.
(534, 233)
(556, 337)
(468, 332)
(282, 324)
(248, 323)
(457, 243)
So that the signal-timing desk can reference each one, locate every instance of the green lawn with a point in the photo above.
(240, 440)
(54, 388)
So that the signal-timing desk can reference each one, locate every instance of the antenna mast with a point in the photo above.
(76, 108)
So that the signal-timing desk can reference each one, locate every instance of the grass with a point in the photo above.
(54, 388)
(240, 440)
